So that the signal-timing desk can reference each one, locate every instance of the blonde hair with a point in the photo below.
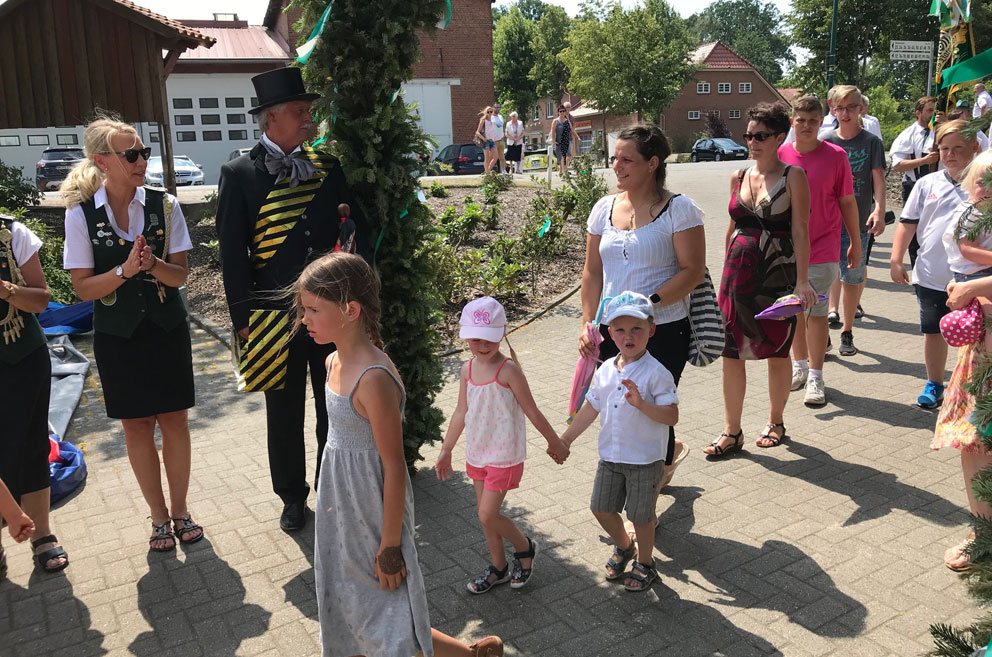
(341, 278)
(841, 91)
(485, 110)
(949, 127)
(973, 172)
(86, 177)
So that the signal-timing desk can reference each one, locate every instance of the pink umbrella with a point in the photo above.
(785, 307)
(584, 369)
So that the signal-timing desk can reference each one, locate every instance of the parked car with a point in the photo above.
(462, 158)
(55, 164)
(238, 153)
(187, 172)
(536, 160)
(721, 148)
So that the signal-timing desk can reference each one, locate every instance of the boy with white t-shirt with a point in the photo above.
(927, 215)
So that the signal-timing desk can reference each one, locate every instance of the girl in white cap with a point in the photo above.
(493, 397)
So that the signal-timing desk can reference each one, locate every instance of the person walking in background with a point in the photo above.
(913, 155)
(371, 598)
(649, 240)
(486, 133)
(515, 139)
(927, 215)
(767, 257)
(831, 205)
(277, 211)
(866, 156)
(499, 123)
(563, 137)
(125, 247)
(981, 137)
(869, 122)
(25, 387)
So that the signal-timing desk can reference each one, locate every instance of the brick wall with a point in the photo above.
(682, 131)
(464, 51)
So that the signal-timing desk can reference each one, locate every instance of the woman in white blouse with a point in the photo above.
(125, 246)
(648, 240)
(515, 143)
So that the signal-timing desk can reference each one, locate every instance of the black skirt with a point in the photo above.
(514, 153)
(25, 388)
(149, 373)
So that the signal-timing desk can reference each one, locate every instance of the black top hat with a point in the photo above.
(282, 85)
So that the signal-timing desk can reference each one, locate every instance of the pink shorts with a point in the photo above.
(496, 479)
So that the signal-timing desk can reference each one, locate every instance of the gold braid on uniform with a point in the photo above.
(167, 211)
(12, 324)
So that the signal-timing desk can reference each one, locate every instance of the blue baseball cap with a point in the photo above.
(628, 304)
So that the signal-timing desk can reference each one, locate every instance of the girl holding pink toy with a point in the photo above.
(493, 398)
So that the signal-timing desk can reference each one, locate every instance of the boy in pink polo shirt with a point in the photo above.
(832, 203)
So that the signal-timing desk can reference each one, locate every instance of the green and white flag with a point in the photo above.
(304, 51)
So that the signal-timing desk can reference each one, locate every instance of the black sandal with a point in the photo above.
(720, 452)
(521, 575)
(767, 435)
(619, 567)
(642, 573)
(58, 552)
(162, 533)
(185, 525)
(482, 584)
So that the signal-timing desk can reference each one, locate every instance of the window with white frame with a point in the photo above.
(702, 87)
(693, 115)
(735, 114)
(37, 140)
(550, 110)
(66, 140)
(10, 140)
(744, 87)
(537, 113)
(723, 88)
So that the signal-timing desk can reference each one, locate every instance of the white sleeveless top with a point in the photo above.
(495, 426)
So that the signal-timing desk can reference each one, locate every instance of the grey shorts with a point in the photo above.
(821, 277)
(623, 485)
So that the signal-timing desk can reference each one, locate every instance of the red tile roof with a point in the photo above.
(717, 55)
(250, 42)
(790, 94)
(183, 30)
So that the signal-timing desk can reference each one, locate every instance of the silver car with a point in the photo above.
(187, 171)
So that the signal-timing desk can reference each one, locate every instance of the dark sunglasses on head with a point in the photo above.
(758, 136)
(131, 154)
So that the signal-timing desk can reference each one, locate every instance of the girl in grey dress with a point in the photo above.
(371, 599)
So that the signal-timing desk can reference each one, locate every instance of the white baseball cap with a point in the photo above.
(628, 304)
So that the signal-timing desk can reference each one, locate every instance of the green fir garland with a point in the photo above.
(363, 55)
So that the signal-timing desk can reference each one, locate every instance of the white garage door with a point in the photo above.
(433, 101)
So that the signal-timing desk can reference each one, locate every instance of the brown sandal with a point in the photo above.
(772, 441)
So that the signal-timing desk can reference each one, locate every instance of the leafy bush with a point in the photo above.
(209, 209)
(490, 193)
(59, 280)
(585, 185)
(213, 252)
(459, 229)
(446, 261)
(16, 191)
(502, 181)
(438, 190)
(492, 218)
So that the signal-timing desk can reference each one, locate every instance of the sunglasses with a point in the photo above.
(758, 136)
(561, 110)
(131, 154)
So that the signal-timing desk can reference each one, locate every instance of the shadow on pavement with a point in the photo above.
(201, 600)
(49, 613)
(900, 413)
(876, 493)
(777, 576)
(301, 591)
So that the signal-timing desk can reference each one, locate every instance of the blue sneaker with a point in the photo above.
(932, 395)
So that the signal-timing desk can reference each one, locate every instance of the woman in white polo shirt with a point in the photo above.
(648, 240)
(926, 215)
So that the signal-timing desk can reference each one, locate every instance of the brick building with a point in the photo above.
(452, 82)
(725, 83)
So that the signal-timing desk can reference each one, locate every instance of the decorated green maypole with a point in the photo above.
(357, 56)
(956, 45)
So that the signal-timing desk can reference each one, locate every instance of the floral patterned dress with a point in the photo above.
(953, 428)
(760, 267)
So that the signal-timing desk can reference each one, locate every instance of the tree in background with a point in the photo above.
(765, 42)
(358, 65)
(715, 127)
(634, 61)
(532, 10)
(549, 72)
(512, 57)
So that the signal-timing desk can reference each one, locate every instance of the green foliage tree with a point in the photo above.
(358, 66)
(885, 108)
(634, 61)
(549, 72)
(765, 43)
(532, 10)
(512, 57)
(16, 191)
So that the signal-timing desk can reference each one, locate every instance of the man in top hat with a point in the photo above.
(277, 210)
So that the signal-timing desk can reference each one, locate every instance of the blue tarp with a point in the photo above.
(60, 319)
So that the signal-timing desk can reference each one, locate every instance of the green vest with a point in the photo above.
(120, 312)
(30, 337)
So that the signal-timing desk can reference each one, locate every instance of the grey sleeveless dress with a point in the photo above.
(356, 616)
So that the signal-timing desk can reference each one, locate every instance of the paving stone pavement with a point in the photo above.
(828, 545)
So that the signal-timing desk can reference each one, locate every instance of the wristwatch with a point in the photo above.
(120, 272)
(655, 298)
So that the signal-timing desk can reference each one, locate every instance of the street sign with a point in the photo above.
(911, 56)
(911, 46)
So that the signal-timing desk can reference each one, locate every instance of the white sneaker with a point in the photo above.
(815, 395)
(799, 375)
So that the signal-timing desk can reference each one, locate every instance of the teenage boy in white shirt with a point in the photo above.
(912, 156)
(636, 396)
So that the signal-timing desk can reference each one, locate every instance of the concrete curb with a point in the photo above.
(224, 337)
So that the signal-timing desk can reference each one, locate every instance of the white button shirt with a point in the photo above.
(912, 143)
(626, 434)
